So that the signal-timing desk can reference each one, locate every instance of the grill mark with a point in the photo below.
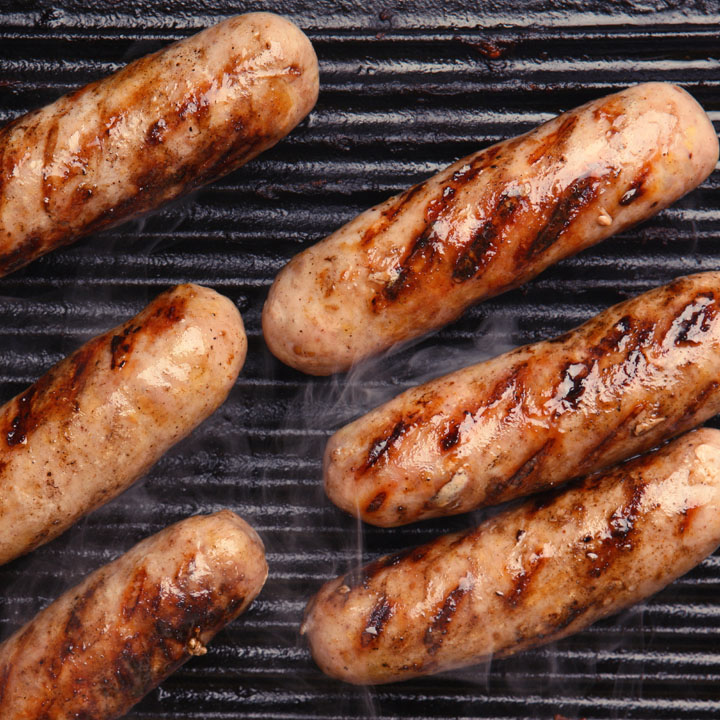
(362, 576)
(700, 400)
(522, 581)
(596, 452)
(381, 445)
(482, 246)
(636, 188)
(520, 477)
(693, 321)
(435, 634)
(572, 384)
(55, 393)
(48, 186)
(688, 516)
(568, 206)
(133, 593)
(621, 528)
(376, 503)
(165, 316)
(554, 142)
(390, 213)
(379, 616)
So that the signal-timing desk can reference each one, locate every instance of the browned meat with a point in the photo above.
(93, 424)
(530, 575)
(486, 224)
(160, 127)
(535, 417)
(106, 643)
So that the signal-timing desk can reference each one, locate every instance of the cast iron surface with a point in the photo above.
(406, 88)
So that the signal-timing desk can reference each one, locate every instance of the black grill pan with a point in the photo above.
(407, 87)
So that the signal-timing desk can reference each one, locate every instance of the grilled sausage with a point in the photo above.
(93, 424)
(486, 224)
(106, 643)
(636, 374)
(530, 575)
(159, 128)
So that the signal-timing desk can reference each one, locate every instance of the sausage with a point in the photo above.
(537, 416)
(100, 647)
(530, 575)
(157, 129)
(96, 421)
(486, 224)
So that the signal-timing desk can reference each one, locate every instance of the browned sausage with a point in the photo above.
(103, 645)
(537, 416)
(488, 223)
(157, 129)
(528, 576)
(97, 421)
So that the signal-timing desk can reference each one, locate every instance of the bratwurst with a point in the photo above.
(486, 224)
(528, 576)
(159, 128)
(102, 646)
(634, 375)
(95, 422)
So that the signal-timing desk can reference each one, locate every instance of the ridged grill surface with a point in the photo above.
(406, 88)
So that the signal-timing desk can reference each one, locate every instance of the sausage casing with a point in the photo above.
(636, 374)
(160, 127)
(527, 576)
(488, 223)
(99, 419)
(102, 646)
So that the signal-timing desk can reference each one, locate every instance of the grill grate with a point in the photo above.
(406, 88)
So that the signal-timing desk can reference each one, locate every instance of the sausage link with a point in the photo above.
(100, 647)
(636, 374)
(157, 129)
(488, 223)
(528, 576)
(97, 421)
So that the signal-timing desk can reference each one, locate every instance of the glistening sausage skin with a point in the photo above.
(634, 375)
(530, 575)
(95, 422)
(98, 649)
(160, 127)
(488, 223)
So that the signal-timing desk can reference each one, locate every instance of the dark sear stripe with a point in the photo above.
(390, 213)
(381, 446)
(572, 200)
(522, 581)
(482, 247)
(521, 475)
(434, 635)
(379, 616)
(553, 144)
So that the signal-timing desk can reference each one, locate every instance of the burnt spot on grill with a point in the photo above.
(522, 581)
(552, 145)
(694, 321)
(380, 614)
(618, 537)
(442, 618)
(636, 188)
(482, 246)
(376, 503)
(571, 202)
(381, 446)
